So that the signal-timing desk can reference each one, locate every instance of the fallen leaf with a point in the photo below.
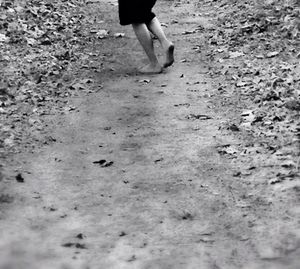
(288, 164)
(145, 81)
(159, 160)
(180, 105)
(233, 127)
(272, 54)
(227, 149)
(293, 105)
(248, 116)
(119, 35)
(20, 178)
(274, 180)
(102, 34)
(3, 38)
(188, 32)
(76, 245)
(198, 117)
(243, 83)
(80, 236)
(235, 54)
(104, 163)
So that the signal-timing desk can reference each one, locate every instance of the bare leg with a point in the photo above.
(143, 35)
(155, 27)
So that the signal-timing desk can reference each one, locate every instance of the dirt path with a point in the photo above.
(159, 194)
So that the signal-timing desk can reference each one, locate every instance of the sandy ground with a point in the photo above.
(134, 181)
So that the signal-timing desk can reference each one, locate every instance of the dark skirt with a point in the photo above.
(136, 11)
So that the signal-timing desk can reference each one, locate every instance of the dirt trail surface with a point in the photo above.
(135, 178)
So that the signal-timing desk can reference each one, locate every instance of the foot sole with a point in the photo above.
(170, 56)
(150, 71)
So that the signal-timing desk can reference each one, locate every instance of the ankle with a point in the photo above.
(166, 44)
(154, 63)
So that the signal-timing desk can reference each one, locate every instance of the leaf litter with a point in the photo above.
(40, 43)
(257, 43)
(40, 46)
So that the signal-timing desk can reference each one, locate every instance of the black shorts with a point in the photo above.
(136, 11)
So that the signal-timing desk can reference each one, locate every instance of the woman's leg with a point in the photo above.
(143, 35)
(155, 27)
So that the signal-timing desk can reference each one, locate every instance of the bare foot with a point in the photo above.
(151, 69)
(169, 55)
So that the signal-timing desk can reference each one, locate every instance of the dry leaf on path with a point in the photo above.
(235, 54)
(198, 117)
(102, 34)
(3, 38)
(119, 35)
(272, 54)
